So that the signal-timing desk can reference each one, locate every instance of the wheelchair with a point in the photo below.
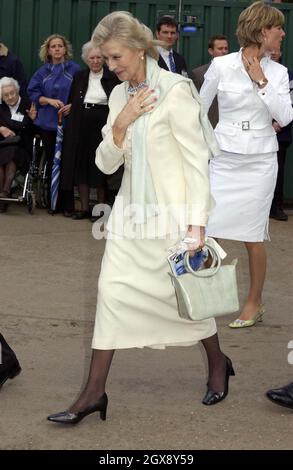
(31, 188)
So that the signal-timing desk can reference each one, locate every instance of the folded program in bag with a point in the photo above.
(208, 293)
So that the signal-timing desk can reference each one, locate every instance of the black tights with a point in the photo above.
(102, 359)
(217, 363)
(7, 173)
(95, 386)
(84, 193)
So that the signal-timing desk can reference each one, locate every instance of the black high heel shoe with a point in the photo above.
(212, 397)
(65, 417)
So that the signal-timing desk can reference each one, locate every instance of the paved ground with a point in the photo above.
(49, 270)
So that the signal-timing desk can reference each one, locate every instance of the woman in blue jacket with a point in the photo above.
(49, 90)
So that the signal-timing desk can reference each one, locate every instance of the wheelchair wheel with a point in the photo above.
(42, 185)
(31, 202)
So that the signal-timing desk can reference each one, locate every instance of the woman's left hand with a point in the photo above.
(195, 238)
(32, 112)
(65, 110)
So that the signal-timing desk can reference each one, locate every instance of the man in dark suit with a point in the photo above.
(10, 66)
(9, 365)
(282, 396)
(284, 136)
(167, 31)
(218, 46)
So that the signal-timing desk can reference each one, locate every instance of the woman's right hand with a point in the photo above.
(6, 132)
(55, 103)
(44, 100)
(137, 105)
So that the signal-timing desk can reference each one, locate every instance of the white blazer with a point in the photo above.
(245, 110)
(177, 155)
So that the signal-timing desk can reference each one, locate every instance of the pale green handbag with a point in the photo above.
(208, 293)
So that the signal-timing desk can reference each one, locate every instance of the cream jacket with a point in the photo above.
(178, 158)
(246, 111)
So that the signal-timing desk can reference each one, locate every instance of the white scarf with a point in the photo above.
(143, 194)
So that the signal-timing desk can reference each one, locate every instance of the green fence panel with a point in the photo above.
(24, 24)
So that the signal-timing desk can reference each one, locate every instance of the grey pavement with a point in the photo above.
(49, 271)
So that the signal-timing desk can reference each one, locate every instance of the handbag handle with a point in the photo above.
(216, 263)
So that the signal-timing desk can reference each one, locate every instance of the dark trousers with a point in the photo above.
(278, 198)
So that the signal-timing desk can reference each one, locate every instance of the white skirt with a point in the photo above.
(136, 304)
(243, 189)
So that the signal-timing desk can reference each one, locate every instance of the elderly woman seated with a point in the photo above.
(16, 132)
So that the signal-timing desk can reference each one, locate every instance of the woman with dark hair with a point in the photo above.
(88, 101)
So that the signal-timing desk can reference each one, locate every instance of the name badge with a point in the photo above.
(17, 117)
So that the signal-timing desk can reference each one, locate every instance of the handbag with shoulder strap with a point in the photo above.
(208, 293)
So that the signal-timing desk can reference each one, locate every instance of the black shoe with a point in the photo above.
(65, 417)
(9, 370)
(278, 214)
(212, 397)
(79, 215)
(67, 213)
(282, 396)
(51, 211)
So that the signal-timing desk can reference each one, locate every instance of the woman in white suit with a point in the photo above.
(252, 90)
(159, 132)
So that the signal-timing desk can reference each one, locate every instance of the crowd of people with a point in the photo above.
(123, 111)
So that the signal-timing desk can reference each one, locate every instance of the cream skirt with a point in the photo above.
(136, 304)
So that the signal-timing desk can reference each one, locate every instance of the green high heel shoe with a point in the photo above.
(238, 323)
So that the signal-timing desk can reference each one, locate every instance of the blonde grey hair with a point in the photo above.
(9, 81)
(123, 27)
(86, 49)
(43, 53)
(253, 19)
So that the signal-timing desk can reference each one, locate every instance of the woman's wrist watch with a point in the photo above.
(262, 82)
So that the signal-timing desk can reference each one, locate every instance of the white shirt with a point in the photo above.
(95, 93)
(164, 53)
(13, 109)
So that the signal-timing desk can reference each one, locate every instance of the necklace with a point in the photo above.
(132, 90)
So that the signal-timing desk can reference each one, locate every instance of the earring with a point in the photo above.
(142, 57)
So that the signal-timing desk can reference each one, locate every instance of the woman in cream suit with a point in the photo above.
(252, 90)
(157, 129)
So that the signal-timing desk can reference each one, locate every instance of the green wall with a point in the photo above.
(24, 24)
